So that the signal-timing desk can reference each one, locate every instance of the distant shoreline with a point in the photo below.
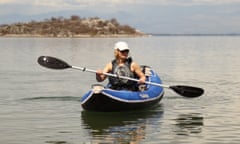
(75, 36)
(111, 36)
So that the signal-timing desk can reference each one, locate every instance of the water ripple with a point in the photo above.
(53, 98)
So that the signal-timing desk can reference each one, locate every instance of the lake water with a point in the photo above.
(41, 106)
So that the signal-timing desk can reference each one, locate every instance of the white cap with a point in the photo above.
(121, 46)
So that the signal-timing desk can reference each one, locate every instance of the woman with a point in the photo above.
(124, 66)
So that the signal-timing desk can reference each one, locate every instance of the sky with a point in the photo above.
(148, 16)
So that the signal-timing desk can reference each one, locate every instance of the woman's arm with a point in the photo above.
(99, 74)
(136, 68)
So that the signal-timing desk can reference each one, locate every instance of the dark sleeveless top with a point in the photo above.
(123, 70)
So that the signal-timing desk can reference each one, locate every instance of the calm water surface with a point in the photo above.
(41, 106)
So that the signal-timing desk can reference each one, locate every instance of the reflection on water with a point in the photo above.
(187, 124)
(123, 127)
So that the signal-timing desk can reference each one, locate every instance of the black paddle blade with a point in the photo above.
(52, 62)
(188, 91)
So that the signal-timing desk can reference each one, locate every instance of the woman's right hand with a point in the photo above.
(99, 75)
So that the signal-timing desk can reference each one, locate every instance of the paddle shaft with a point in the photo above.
(118, 76)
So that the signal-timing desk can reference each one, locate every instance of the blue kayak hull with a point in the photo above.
(105, 99)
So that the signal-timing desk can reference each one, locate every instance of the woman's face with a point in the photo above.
(123, 54)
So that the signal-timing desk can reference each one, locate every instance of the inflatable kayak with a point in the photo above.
(102, 98)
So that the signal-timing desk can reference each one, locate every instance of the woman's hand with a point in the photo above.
(99, 75)
(142, 80)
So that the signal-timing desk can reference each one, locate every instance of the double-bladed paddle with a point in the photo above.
(55, 63)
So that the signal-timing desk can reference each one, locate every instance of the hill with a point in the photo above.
(74, 26)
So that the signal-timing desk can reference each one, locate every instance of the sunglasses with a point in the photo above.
(125, 51)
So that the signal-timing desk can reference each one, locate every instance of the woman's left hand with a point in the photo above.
(142, 79)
